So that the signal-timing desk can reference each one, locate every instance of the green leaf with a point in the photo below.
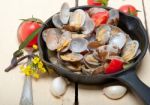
(28, 39)
(104, 2)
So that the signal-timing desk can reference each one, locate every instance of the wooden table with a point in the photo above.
(11, 83)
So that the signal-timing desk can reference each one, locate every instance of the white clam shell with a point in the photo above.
(58, 86)
(65, 13)
(56, 21)
(118, 40)
(115, 92)
(77, 18)
(113, 17)
(88, 26)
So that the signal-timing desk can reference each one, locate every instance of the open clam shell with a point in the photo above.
(88, 26)
(103, 34)
(118, 40)
(105, 51)
(56, 21)
(115, 30)
(76, 35)
(65, 13)
(113, 17)
(52, 38)
(91, 60)
(74, 67)
(93, 45)
(78, 45)
(95, 10)
(77, 19)
(71, 57)
(130, 50)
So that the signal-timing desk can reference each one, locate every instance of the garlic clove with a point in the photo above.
(115, 92)
(58, 86)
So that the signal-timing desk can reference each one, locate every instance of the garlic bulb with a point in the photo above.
(115, 92)
(58, 86)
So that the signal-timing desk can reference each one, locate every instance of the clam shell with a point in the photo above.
(115, 30)
(75, 35)
(52, 38)
(91, 60)
(77, 19)
(78, 45)
(118, 40)
(65, 13)
(93, 45)
(105, 51)
(98, 70)
(103, 34)
(95, 10)
(88, 26)
(71, 57)
(130, 50)
(113, 17)
(56, 21)
(87, 71)
(74, 67)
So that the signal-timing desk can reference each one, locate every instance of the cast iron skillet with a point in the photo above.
(130, 25)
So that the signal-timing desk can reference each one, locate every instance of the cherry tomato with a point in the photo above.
(26, 28)
(92, 2)
(129, 9)
(100, 18)
(114, 66)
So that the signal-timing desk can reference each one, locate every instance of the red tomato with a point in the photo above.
(92, 2)
(114, 66)
(128, 9)
(25, 29)
(100, 18)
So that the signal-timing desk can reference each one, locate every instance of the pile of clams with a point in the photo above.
(81, 46)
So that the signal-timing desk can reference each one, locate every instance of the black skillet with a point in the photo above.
(135, 29)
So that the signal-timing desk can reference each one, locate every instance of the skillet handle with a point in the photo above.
(131, 79)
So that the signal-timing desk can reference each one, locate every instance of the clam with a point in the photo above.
(98, 70)
(52, 38)
(76, 35)
(118, 40)
(77, 19)
(115, 30)
(113, 17)
(91, 60)
(71, 57)
(65, 13)
(64, 41)
(105, 51)
(87, 71)
(95, 10)
(103, 34)
(56, 21)
(93, 45)
(78, 45)
(88, 26)
(75, 67)
(130, 50)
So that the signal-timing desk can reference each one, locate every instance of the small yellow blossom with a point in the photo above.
(43, 70)
(40, 65)
(35, 75)
(35, 47)
(36, 60)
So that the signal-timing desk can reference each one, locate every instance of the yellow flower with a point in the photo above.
(35, 75)
(35, 60)
(35, 47)
(40, 65)
(43, 70)
(22, 68)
